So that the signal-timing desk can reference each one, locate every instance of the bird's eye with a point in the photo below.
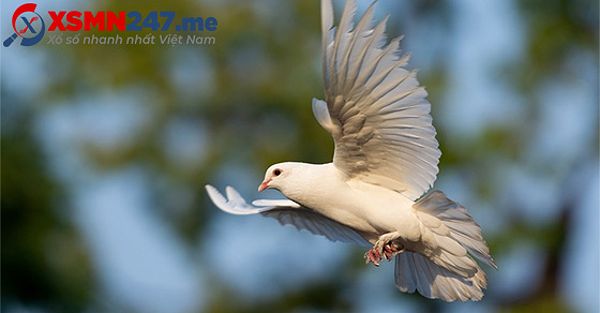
(277, 172)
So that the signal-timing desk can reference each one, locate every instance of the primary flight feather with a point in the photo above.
(385, 160)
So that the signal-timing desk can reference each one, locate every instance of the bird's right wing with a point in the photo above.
(286, 212)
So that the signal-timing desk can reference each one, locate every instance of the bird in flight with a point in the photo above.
(375, 192)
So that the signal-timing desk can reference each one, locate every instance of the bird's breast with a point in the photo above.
(367, 208)
(367, 211)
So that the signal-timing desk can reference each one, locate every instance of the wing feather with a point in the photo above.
(286, 212)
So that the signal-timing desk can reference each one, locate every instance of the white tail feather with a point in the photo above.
(444, 268)
(414, 271)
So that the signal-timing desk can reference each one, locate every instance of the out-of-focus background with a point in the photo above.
(106, 151)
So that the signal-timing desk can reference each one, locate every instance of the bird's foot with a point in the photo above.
(392, 248)
(386, 247)
(383, 249)
(372, 256)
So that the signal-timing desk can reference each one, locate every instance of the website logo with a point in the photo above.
(109, 27)
(27, 25)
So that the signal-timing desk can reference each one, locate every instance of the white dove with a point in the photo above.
(385, 159)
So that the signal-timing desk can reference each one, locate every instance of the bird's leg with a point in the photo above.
(387, 246)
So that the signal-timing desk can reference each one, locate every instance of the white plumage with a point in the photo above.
(385, 159)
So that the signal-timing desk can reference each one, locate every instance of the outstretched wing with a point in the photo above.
(286, 212)
(375, 109)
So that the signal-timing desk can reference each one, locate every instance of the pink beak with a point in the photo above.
(264, 185)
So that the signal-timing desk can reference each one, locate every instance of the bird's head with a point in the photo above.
(276, 176)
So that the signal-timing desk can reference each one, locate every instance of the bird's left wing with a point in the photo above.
(286, 212)
(374, 108)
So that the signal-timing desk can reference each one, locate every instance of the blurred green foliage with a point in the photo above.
(43, 259)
